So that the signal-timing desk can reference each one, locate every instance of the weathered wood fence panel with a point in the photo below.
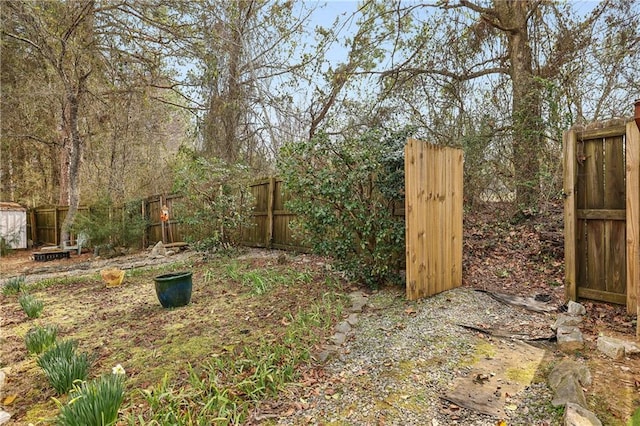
(433, 214)
(45, 224)
(271, 220)
(602, 244)
(158, 230)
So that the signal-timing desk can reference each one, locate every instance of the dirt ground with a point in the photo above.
(524, 259)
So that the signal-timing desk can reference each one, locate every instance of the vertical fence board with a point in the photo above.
(632, 154)
(433, 214)
(570, 231)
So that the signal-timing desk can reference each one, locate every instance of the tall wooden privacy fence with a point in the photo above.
(272, 222)
(270, 225)
(44, 224)
(602, 213)
(433, 209)
(168, 231)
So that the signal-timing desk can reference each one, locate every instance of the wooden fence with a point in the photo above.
(44, 224)
(271, 227)
(168, 231)
(433, 207)
(602, 213)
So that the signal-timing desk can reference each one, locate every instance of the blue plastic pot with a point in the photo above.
(174, 289)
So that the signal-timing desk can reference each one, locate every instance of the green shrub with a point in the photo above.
(63, 366)
(215, 203)
(30, 305)
(344, 191)
(94, 403)
(39, 338)
(107, 224)
(13, 286)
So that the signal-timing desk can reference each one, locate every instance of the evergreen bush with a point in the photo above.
(344, 191)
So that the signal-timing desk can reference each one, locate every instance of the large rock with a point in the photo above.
(569, 338)
(569, 367)
(569, 390)
(567, 379)
(358, 301)
(158, 250)
(575, 415)
(565, 320)
(574, 308)
(611, 347)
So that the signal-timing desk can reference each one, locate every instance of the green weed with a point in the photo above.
(30, 305)
(63, 366)
(40, 338)
(226, 388)
(13, 286)
(93, 403)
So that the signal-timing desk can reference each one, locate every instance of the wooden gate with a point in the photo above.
(601, 180)
(433, 214)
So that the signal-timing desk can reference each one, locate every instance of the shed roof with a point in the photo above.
(5, 205)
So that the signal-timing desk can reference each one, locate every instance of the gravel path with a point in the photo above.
(403, 356)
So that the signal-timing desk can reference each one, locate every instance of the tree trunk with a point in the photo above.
(526, 103)
(72, 171)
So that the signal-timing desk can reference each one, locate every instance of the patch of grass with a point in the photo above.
(600, 407)
(50, 282)
(40, 338)
(13, 286)
(635, 418)
(228, 386)
(31, 305)
(93, 403)
(63, 366)
(261, 281)
(172, 404)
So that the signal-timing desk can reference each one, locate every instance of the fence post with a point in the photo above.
(162, 223)
(270, 206)
(146, 228)
(569, 146)
(55, 224)
(632, 147)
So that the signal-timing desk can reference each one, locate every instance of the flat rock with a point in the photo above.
(566, 380)
(343, 327)
(569, 338)
(630, 348)
(575, 415)
(326, 353)
(611, 347)
(4, 417)
(339, 338)
(569, 367)
(565, 320)
(358, 301)
(569, 390)
(352, 318)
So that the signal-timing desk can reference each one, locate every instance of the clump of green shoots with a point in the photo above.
(95, 402)
(63, 366)
(40, 338)
(13, 286)
(31, 305)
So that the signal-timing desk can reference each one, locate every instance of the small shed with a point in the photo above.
(13, 225)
